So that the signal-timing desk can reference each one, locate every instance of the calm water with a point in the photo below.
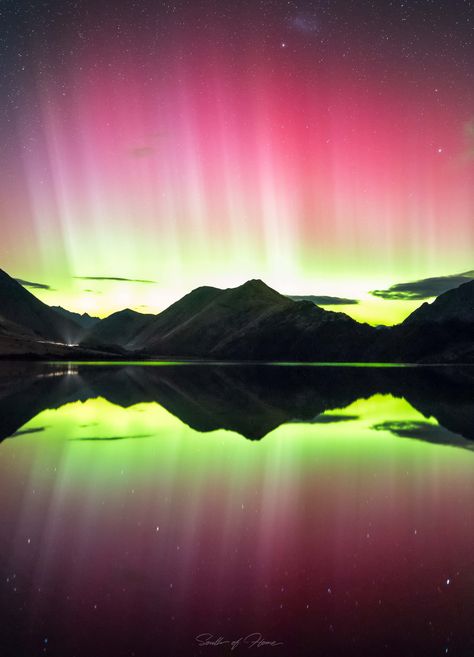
(163, 509)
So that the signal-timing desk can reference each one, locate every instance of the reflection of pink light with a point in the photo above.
(247, 543)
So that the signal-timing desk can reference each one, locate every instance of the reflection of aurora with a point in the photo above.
(128, 504)
(148, 148)
(252, 400)
(70, 371)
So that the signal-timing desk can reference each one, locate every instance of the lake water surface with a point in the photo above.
(190, 509)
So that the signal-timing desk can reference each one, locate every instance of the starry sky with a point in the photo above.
(326, 147)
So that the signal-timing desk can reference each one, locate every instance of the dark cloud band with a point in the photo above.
(325, 300)
(142, 151)
(116, 279)
(36, 286)
(425, 288)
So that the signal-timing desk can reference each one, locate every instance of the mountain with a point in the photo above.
(456, 305)
(15, 339)
(85, 320)
(27, 346)
(19, 306)
(439, 332)
(29, 329)
(252, 322)
(12, 329)
(118, 329)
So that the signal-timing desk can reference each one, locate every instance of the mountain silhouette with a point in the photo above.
(456, 305)
(437, 332)
(33, 330)
(120, 328)
(19, 306)
(85, 321)
(252, 322)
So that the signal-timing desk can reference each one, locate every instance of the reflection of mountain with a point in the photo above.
(249, 399)
(432, 433)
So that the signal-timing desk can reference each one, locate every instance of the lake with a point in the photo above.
(210, 509)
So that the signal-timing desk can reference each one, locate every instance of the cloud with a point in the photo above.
(146, 150)
(424, 288)
(324, 300)
(36, 286)
(142, 151)
(26, 432)
(305, 23)
(115, 279)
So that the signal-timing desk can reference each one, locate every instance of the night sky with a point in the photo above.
(325, 147)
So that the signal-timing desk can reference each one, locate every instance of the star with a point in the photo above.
(283, 44)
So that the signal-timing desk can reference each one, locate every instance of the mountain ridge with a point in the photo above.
(84, 320)
(18, 305)
(250, 322)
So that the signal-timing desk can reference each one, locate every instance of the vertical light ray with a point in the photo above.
(209, 169)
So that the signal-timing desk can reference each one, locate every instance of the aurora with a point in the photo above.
(188, 147)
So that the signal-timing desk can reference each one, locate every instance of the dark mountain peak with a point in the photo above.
(454, 305)
(124, 315)
(20, 306)
(118, 328)
(255, 291)
(199, 294)
(125, 312)
(7, 282)
(251, 322)
(190, 303)
(437, 332)
(85, 320)
(257, 285)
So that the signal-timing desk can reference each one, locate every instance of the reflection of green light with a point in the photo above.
(338, 364)
(173, 446)
(197, 362)
(121, 363)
